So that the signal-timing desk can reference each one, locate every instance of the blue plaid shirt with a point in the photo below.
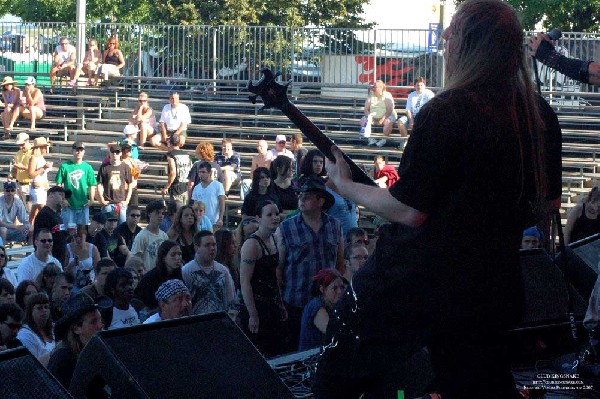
(307, 252)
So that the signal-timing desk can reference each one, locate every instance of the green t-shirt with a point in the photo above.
(78, 179)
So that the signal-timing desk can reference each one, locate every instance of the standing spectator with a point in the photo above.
(143, 117)
(179, 165)
(385, 175)
(119, 288)
(229, 162)
(115, 246)
(112, 59)
(7, 291)
(282, 174)
(34, 107)
(205, 152)
(174, 301)
(83, 256)
(33, 264)
(307, 242)
(204, 222)
(61, 292)
(136, 264)
(174, 118)
(101, 270)
(74, 330)
(11, 99)
(584, 218)
(90, 65)
(280, 148)
(209, 282)
(49, 218)
(12, 210)
(21, 168)
(380, 107)
(114, 184)
(227, 254)
(263, 313)
(10, 324)
(262, 159)
(168, 266)
(25, 289)
(183, 230)
(38, 172)
(129, 229)
(37, 335)
(64, 61)
(147, 241)
(94, 229)
(135, 169)
(355, 256)
(299, 152)
(6, 272)
(260, 191)
(212, 194)
(172, 208)
(415, 101)
(79, 178)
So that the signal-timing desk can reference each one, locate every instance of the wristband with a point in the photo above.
(571, 67)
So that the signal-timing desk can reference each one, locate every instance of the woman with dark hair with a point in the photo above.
(81, 320)
(7, 291)
(119, 288)
(314, 164)
(263, 314)
(45, 280)
(25, 289)
(112, 59)
(5, 272)
(260, 190)
(168, 266)
(185, 226)
(584, 218)
(83, 256)
(36, 334)
(281, 175)
(226, 254)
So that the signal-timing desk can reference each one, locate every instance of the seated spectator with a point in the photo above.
(204, 222)
(229, 162)
(112, 59)
(21, 168)
(226, 254)
(24, 290)
(174, 118)
(11, 99)
(45, 280)
(282, 173)
(262, 159)
(6, 272)
(119, 288)
(10, 324)
(385, 175)
(130, 133)
(172, 207)
(414, 103)
(135, 170)
(209, 282)
(583, 220)
(355, 256)
(143, 118)
(34, 107)
(32, 265)
(179, 165)
(174, 301)
(37, 335)
(115, 245)
(259, 191)
(183, 230)
(73, 331)
(61, 292)
(90, 65)
(7, 291)
(94, 233)
(280, 148)
(205, 153)
(532, 238)
(168, 266)
(380, 107)
(299, 152)
(129, 229)
(101, 271)
(212, 193)
(328, 287)
(38, 170)
(146, 243)
(263, 313)
(64, 61)
(83, 256)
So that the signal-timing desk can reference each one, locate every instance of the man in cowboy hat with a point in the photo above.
(20, 166)
(80, 321)
(174, 301)
(308, 242)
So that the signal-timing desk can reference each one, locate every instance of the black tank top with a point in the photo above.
(264, 280)
(585, 227)
(112, 59)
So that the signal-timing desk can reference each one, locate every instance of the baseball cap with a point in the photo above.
(30, 81)
(10, 184)
(111, 215)
(99, 218)
(22, 138)
(280, 137)
(114, 147)
(78, 144)
(130, 129)
(59, 189)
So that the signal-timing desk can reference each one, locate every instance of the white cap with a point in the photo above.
(22, 138)
(280, 137)
(30, 81)
(130, 129)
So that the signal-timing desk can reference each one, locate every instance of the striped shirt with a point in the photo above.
(307, 252)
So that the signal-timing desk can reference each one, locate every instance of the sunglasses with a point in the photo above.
(79, 149)
(10, 190)
(115, 152)
(46, 240)
(111, 43)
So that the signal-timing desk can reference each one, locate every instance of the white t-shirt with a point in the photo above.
(147, 243)
(286, 152)
(210, 197)
(153, 319)
(415, 101)
(124, 318)
(9, 275)
(34, 343)
(31, 266)
(65, 55)
(173, 118)
(212, 287)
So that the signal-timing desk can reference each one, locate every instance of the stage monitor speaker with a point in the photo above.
(546, 291)
(192, 357)
(23, 377)
(581, 264)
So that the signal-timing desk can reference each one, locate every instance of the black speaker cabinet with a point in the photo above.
(581, 264)
(23, 377)
(205, 356)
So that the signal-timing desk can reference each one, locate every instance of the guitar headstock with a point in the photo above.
(273, 94)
